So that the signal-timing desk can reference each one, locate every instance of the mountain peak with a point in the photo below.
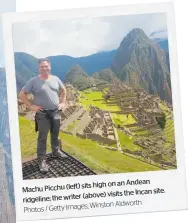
(77, 77)
(130, 43)
(136, 34)
(137, 31)
(76, 67)
(138, 61)
(75, 70)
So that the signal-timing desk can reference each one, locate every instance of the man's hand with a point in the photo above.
(61, 106)
(36, 108)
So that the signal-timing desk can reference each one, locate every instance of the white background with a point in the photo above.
(181, 12)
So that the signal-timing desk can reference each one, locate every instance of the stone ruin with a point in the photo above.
(69, 111)
(100, 128)
(144, 108)
(72, 95)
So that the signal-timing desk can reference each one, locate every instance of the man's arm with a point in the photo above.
(23, 97)
(63, 95)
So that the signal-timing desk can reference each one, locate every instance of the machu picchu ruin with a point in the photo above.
(120, 118)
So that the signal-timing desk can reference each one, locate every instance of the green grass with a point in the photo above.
(141, 132)
(105, 90)
(95, 98)
(127, 141)
(169, 127)
(98, 158)
(166, 145)
(71, 126)
(163, 107)
(121, 119)
(28, 138)
(169, 130)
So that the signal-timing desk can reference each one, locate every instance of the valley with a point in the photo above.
(118, 117)
(111, 130)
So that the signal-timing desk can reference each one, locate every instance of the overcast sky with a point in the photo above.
(5, 6)
(82, 37)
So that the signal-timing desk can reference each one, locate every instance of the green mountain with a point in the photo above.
(91, 63)
(142, 63)
(105, 75)
(139, 61)
(26, 67)
(79, 78)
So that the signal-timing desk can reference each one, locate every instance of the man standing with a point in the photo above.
(46, 89)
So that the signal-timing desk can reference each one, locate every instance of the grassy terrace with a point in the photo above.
(95, 98)
(121, 119)
(71, 126)
(142, 133)
(127, 141)
(169, 130)
(96, 157)
(169, 127)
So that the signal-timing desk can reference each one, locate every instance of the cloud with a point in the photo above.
(81, 37)
(159, 35)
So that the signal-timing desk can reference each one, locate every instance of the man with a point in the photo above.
(45, 89)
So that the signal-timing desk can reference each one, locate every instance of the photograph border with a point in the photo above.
(177, 175)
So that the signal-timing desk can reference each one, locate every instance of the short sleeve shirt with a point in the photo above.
(46, 92)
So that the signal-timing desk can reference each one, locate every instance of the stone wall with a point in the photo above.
(100, 139)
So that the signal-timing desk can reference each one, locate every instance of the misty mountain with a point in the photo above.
(105, 75)
(142, 63)
(27, 65)
(138, 60)
(90, 64)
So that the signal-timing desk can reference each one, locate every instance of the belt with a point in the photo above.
(49, 110)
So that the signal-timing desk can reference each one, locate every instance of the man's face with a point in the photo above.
(44, 68)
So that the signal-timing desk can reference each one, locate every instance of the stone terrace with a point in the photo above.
(100, 128)
(144, 108)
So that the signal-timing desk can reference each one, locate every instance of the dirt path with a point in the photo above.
(82, 124)
(116, 136)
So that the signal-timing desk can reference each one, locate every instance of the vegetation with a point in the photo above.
(96, 157)
(161, 120)
(141, 133)
(122, 119)
(28, 138)
(95, 98)
(127, 141)
(137, 64)
(106, 75)
(79, 78)
(169, 125)
(71, 126)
